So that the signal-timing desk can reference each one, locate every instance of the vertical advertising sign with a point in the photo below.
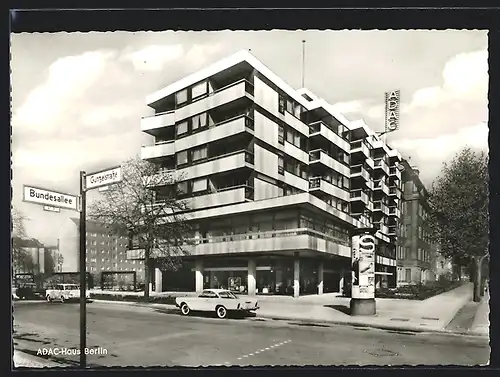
(363, 266)
(392, 102)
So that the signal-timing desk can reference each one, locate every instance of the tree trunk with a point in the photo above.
(477, 280)
(147, 273)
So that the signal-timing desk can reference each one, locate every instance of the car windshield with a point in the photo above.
(226, 294)
(72, 287)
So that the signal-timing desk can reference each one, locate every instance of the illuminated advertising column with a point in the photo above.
(363, 272)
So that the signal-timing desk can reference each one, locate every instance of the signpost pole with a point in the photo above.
(83, 282)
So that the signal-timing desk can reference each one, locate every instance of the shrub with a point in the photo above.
(418, 291)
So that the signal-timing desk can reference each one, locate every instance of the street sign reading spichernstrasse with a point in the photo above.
(50, 198)
(103, 178)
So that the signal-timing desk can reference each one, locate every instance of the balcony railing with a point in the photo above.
(314, 128)
(315, 155)
(270, 234)
(314, 182)
(359, 195)
(249, 157)
(380, 163)
(249, 88)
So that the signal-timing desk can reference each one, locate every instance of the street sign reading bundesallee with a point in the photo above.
(103, 178)
(50, 198)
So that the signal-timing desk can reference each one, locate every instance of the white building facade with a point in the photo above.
(276, 181)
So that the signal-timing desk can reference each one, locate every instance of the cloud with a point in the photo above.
(68, 81)
(153, 57)
(349, 107)
(432, 152)
(465, 77)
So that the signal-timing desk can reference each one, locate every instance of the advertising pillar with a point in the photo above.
(363, 272)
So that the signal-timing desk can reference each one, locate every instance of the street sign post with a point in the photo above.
(99, 179)
(53, 201)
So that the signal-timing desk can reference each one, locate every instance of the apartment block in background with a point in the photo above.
(276, 181)
(105, 251)
(416, 254)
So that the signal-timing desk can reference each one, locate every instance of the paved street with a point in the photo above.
(136, 336)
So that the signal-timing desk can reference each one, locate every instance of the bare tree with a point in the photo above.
(21, 259)
(146, 205)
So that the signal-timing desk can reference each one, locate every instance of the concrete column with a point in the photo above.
(199, 276)
(341, 281)
(296, 277)
(320, 278)
(158, 280)
(252, 273)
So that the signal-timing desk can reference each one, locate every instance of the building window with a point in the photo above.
(182, 187)
(182, 158)
(182, 128)
(200, 185)
(199, 153)
(289, 106)
(281, 168)
(281, 104)
(199, 90)
(199, 121)
(181, 97)
(281, 134)
(407, 274)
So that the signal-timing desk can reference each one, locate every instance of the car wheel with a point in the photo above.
(185, 309)
(221, 311)
(62, 299)
(49, 299)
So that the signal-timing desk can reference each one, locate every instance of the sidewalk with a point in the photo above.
(433, 314)
(481, 323)
(24, 360)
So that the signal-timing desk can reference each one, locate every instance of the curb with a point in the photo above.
(354, 323)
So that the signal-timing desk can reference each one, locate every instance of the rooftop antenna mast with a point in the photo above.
(303, 61)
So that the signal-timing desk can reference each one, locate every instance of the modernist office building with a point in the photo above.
(276, 180)
(416, 259)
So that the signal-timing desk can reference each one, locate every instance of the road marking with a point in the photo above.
(274, 346)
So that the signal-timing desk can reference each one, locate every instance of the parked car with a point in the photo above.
(220, 301)
(65, 292)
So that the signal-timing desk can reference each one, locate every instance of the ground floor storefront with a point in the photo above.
(293, 275)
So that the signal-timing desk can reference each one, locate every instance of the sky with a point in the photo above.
(77, 98)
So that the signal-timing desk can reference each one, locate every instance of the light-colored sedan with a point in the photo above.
(220, 301)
